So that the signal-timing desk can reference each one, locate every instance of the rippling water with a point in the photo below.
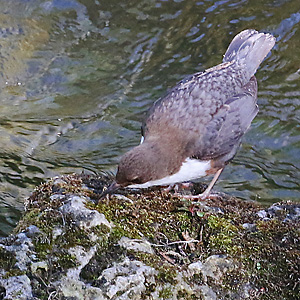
(77, 77)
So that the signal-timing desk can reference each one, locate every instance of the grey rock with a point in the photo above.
(127, 279)
(23, 250)
(286, 212)
(38, 265)
(71, 285)
(32, 231)
(86, 257)
(85, 218)
(263, 214)
(249, 227)
(208, 293)
(17, 287)
(215, 267)
(136, 245)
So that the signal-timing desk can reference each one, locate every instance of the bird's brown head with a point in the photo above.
(152, 160)
(135, 167)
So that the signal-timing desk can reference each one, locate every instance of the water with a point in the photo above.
(77, 77)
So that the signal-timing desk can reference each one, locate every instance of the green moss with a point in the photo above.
(27, 220)
(162, 220)
(108, 253)
(266, 257)
(184, 295)
(65, 260)
(146, 215)
(276, 251)
(7, 259)
(13, 272)
(223, 233)
(74, 236)
(166, 273)
(165, 293)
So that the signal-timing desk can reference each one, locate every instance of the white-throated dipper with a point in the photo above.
(196, 128)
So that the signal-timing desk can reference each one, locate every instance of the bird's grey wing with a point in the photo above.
(224, 132)
(188, 101)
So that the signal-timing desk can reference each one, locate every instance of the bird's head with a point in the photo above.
(137, 166)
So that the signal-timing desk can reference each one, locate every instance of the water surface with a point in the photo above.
(78, 76)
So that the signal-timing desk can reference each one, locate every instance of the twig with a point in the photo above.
(174, 243)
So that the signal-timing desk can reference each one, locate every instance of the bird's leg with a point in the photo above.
(206, 193)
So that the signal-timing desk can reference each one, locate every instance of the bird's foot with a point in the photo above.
(178, 186)
(196, 203)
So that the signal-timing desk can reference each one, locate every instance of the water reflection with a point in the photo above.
(77, 77)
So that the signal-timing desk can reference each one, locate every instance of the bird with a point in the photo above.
(195, 129)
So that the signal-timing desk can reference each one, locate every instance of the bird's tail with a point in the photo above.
(248, 49)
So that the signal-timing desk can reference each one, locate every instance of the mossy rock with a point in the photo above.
(157, 244)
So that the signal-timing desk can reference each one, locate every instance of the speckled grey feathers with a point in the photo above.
(216, 106)
(204, 116)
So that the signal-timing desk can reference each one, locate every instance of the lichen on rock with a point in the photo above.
(148, 245)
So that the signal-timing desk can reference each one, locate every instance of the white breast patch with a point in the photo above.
(190, 169)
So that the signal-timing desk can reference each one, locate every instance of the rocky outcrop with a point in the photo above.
(150, 245)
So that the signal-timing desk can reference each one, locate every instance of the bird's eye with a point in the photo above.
(136, 180)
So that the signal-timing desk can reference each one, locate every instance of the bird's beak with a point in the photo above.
(113, 187)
